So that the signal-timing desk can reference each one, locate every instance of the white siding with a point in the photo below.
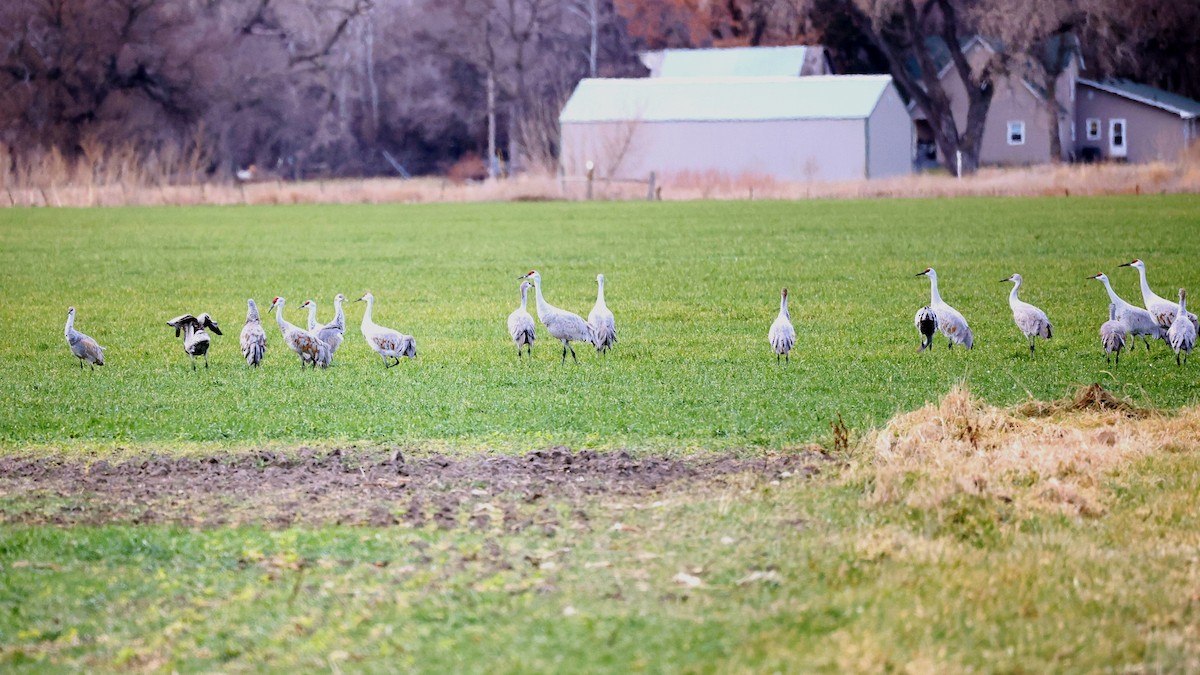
(889, 137)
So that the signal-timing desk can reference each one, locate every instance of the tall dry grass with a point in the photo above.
(122, 177)
(1038, 457)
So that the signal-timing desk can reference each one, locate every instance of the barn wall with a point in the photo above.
(794, 150)
(889, 137)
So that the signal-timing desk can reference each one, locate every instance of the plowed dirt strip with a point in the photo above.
(360, 487)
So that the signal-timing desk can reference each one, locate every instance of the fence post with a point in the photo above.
(650, 187)
(591, 173)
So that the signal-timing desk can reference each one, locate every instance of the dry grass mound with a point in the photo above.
(1041, 456)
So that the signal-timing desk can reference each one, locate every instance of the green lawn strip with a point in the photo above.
(732, 578)
(694, 287)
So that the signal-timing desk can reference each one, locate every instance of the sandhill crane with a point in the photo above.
(1160, 308)
(307, 346)
(331, 333)
(254, 338)
(561, 324)
(83, 347)
(1112, 334)
(1137, 321)
(1182, 333)
(927, 325)
(782, 336)
(601, 320)
(950, 321)
(388, 343)
(520, 323)
(1031, 321)
(195, 334)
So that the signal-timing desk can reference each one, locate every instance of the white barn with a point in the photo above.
(795, 61)
(833, 127)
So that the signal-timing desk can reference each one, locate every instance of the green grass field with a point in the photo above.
(694, 288)
(740, 574)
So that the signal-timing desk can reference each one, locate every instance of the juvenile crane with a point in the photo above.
(388, 343)
(195, 334)
(1182, 334)
(564, 326)
(83, 347)
(1112, 335)
(1137, 321)
(253, 338)
(333, 332)
(1031, 321)
(949, 320)
(782, 335)
(307, 346)
(601, 321)
(520, 323)
(1160, 308)
(927, 325)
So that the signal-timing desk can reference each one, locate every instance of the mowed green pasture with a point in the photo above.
(694, 287)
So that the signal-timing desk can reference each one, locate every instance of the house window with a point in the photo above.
(1016, 133)
(1093, 128)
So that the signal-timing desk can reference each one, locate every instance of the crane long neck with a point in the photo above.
(542, 306)
(1146, 292)
(1112, 295)
(600, 293)
(312, 315)
(1012, 295)
(934, 296)
(338, 312)
(524, 297)
(1112, 311)
(252, 312)
(783, 305)
(70, 327)
(279, 315)
(1182, 306)
(367, 320)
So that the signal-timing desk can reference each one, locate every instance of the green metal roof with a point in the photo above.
(1143, 93)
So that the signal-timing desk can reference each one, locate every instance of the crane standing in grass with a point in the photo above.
(388, 343)
(1160, 308)
(949, 320)
(333, 332)
(520, 323)
(601, 320)
(307, 346)
(562, 325)
(1112, 335)
(83, 347)
(195, 334)
(1137, 321)
(782, 335)
(1031, 321)
(253, 339)
(1182, 334)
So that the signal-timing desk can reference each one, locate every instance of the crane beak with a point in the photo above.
(1128, 264)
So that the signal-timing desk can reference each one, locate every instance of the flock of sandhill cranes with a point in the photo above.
(317, 343)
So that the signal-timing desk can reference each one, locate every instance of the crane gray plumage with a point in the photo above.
(520, 323)
(307, 346)
(388, 343)
(83, 347)
(195, 334)
(1031, 321)
(782, 335)
(1137, 321)
(601, 320)
(564, 326)
(253, 339)
(950, 321)
(1182, 333)
(331, 333)
(1160, 308)
(1112, 335)
(927, 325)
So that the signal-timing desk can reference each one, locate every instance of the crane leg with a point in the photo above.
(81, 364)
(564, 359)
(573, 357)
(206, 360)
(193, 364)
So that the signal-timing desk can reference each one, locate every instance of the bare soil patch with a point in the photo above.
(511, 493)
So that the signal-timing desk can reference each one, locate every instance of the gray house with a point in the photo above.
(1123, 120)
(789, 128)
